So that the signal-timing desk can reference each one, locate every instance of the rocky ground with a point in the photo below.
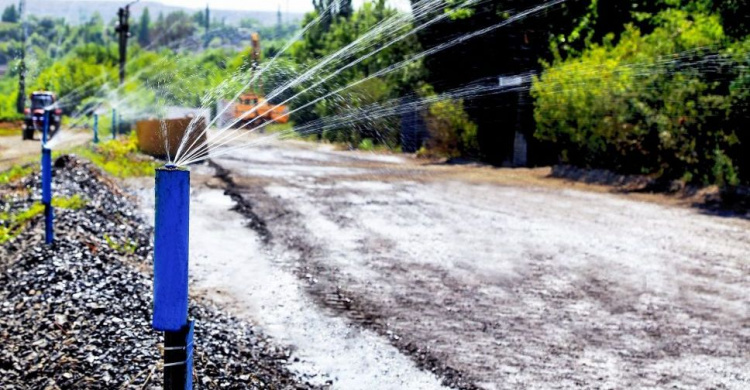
(77, 314)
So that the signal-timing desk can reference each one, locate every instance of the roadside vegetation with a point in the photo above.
(13, 222)
(10, 132)
(653, 87)
(667, 96)
(14, 173)
(120, 158)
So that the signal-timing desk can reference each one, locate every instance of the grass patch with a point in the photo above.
(120, 158)
(6, 132)
(10, 128)
(278, 128)
(12, 224)
(75, 202)
(366, 145)
(127, 248)
(14, 173)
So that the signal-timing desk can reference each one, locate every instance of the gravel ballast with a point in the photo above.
(77, 314)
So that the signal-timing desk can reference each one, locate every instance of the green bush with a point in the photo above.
(739, 117)
(378, 129)
(8, 100)
(120, 158)
(14, 173)
(645, 105)
(366, 145)
(452, 133)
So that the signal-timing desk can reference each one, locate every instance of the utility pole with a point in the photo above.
(206, 26)
(21, 101)
(279, 27)
(123, 31)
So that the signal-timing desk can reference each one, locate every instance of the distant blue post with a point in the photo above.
(171, 232)
(47, 182)
(96, 128)
(114, 123)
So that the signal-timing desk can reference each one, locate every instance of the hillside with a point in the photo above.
(75, 12)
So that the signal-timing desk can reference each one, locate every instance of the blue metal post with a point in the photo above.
(47, 182)
(114, 123)
(171, 232)
(96, 128)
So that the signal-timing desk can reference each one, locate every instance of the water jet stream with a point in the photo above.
(416, 57)
(386, 27)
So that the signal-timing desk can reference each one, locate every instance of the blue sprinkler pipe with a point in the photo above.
(49, 234)
(171, 232)
(96, 128)
(114, 123)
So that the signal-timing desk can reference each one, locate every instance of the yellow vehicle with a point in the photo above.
(253, 109)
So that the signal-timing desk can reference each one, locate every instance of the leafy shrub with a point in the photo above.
(75, 202)
(452, 133)
(8, 99)
(644, 105)
(120, 158)
(378, 129)
(366, 145)
(14, 173)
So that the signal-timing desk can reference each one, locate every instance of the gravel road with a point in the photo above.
(480, 276)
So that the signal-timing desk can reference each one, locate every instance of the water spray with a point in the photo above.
(47, 181)
(222, 138)
(171, 233)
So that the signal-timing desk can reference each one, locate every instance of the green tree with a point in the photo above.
(144, 36)
(735, 16)
(321, 41)
(279, 24)
(345, 9)
(176, 26)
(513, 50)
(330, 10)
(10, 14)
(207, 20)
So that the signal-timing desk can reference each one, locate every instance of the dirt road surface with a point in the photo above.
(386, 273)
(14, 150)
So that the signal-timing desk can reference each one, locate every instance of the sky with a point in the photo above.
(261, 5)
(250, 5)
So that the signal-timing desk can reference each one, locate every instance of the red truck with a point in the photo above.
(34, 116)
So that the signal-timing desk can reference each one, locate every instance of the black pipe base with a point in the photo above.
(178, 359)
